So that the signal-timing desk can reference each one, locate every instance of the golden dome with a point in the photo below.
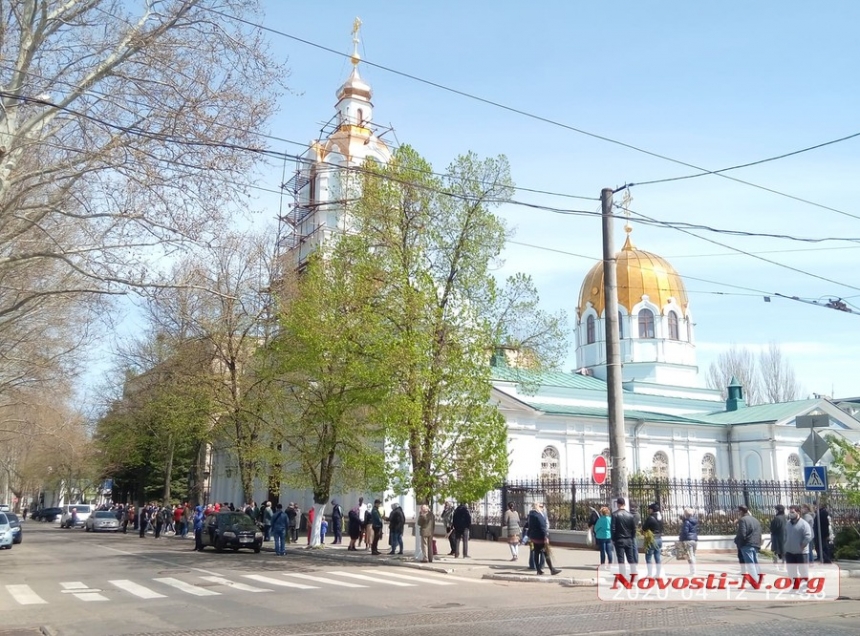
(640, 273)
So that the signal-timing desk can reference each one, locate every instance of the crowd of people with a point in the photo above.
(798, 539)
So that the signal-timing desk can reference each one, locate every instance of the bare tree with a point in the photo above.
(738, 363)
(777, 375)
(125, 129)
(222, 297)
(767, 377)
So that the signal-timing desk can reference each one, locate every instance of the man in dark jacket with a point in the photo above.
(748, 540)
(622, 529)
(538, 532)
(396, 524)
(376, 522)
(462, 521)
(337, 521)
(821, 532)
(777, 535)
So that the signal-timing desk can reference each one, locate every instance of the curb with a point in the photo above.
(533, 578)
(322, 553)
(47, 630)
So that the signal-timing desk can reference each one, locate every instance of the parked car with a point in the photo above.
(17, 529)
(5, 508)
(232, 530)
(49, 514)
(6, 536)
(102, 521)
(83, 512)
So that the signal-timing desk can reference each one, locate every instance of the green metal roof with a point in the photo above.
(760, 413)
(597, 411)
(547, 378)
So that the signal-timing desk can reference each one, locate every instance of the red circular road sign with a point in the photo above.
(599, 469)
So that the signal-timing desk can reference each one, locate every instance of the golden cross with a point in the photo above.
(625, 205)
(356, 25)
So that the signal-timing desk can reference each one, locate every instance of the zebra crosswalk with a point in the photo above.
(214, 585)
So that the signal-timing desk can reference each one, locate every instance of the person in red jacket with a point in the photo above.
(310, 523)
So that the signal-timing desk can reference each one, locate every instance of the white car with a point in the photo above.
(83, 512)
(6, 536)
(5, 508)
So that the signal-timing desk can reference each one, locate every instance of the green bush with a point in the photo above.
(847, 537)
(848, 552)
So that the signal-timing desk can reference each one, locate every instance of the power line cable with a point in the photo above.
(547, 120)
(750, 254)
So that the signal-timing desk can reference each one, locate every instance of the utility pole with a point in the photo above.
(614, 400)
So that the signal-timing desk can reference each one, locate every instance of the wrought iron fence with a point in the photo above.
(569, 501)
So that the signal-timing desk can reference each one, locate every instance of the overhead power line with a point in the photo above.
(518, 111)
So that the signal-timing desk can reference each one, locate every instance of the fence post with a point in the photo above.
(572, 503)
(504, 500)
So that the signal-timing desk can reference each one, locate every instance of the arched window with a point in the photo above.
(709, 467)
(620, 325)
(794, 470)
(589, 330)
(360, 117)
(549, 464)
(673, 326)
(646, 323)
(661, 465)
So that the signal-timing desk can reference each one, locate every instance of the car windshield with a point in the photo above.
(105, 514)
(12, 518)
(80, 508)
(239, 521)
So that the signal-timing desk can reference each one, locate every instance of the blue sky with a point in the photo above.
(714, 86)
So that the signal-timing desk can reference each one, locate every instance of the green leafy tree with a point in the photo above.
(846, 466)
(434, 241)
(326, 361)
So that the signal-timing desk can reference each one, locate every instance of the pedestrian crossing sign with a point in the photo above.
(815, 478)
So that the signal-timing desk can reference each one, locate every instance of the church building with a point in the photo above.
(557, 421)
(674, 428)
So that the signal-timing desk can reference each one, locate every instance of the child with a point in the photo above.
(323, 530)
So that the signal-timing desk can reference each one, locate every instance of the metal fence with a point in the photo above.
(569, 501)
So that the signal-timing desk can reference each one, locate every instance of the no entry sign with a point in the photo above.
(598, 469)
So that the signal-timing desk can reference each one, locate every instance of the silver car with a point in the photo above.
(102, 521)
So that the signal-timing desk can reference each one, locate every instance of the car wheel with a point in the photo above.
(219, 545)
(257, 548)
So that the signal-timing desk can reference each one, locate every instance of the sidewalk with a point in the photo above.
(492, 560)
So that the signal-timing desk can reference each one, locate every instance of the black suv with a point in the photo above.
(231, 530)
(49, 514)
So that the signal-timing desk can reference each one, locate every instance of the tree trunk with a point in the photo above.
(319, 515)
(168, 469)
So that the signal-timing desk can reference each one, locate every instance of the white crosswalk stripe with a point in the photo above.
(24, 595)
(136, 589)
(228, 583)
(279, 582)
(187, 587)
(362, 577)
(322, 579)
(82, 591)
(406, 577)
(366, 578)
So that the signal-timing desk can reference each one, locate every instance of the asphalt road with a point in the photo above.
(72, 583)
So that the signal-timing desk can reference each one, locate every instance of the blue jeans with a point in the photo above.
(280, 539)
(395, 539)
(606, 550)
(653, 553)
(748, 555)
